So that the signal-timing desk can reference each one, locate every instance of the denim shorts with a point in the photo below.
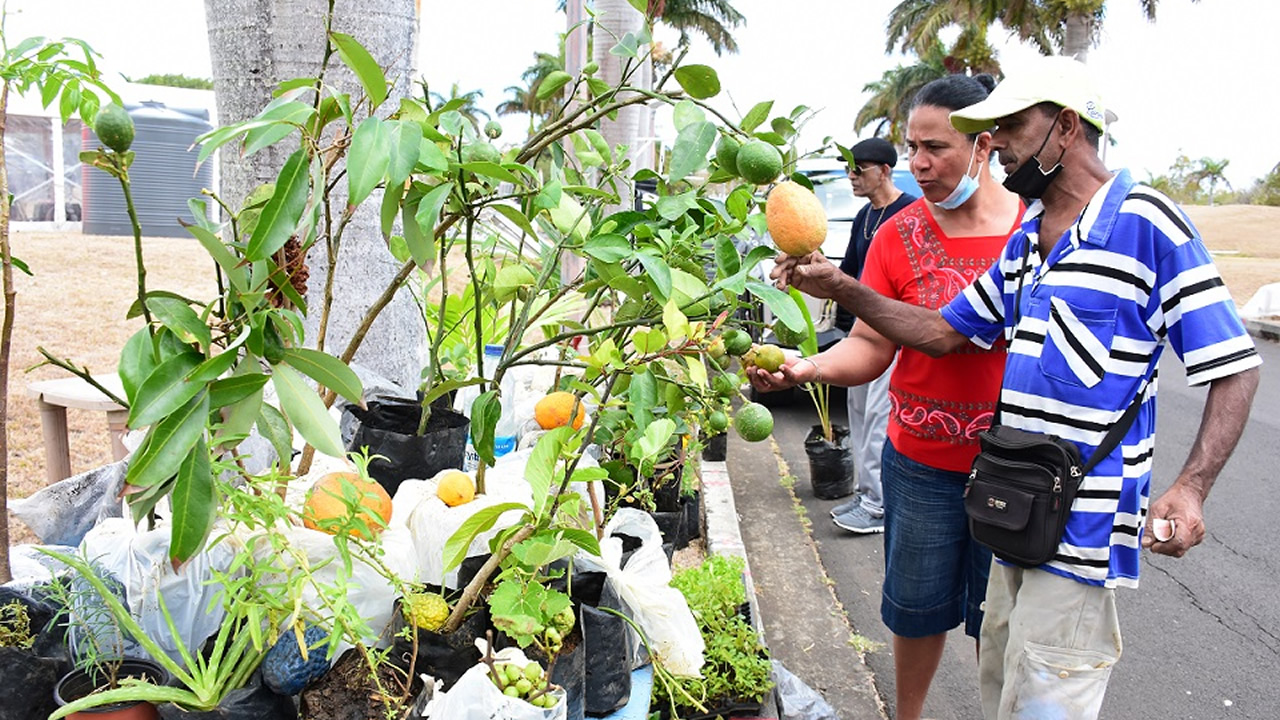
(935, 572)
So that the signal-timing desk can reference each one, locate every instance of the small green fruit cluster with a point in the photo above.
(528, 684)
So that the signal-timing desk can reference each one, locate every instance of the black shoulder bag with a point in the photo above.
(1022, 484)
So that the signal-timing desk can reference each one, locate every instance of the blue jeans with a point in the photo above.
(935, 573)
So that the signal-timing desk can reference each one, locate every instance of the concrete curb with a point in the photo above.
(1264, 328)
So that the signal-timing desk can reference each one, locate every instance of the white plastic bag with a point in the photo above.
(139, 560)
(644, 586)
(475, 697)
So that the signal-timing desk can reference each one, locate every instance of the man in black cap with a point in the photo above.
(872, 177)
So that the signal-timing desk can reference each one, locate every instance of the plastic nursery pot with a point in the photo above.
(80, 683)
(389, 428)
(830, 463)
(717, 448)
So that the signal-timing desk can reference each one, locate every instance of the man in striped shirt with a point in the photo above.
(1104, 273)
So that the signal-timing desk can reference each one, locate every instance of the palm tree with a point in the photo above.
(713, 19)
(1066, 27)
(893, 92)
(1212, 171)
(525, 99)
(470, 109)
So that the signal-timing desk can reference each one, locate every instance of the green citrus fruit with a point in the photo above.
(510, 281)
(759, 162)
(480, 152)
(493, 129)
(736, 342)
(787, 336)
(114, 127)
(769, 357)
(724, 384)
(715, 349)
(718, 421)
(753, 422)
(727, 154)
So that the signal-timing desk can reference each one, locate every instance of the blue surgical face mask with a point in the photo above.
(967, 186)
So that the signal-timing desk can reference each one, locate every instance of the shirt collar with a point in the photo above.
(1098, 218)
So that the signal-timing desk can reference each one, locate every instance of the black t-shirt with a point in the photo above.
(865, 225)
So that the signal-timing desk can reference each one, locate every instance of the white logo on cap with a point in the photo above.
(1092, 109)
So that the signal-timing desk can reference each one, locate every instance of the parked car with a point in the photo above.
(831, 185)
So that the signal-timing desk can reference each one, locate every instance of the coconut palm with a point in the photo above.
(712, 19)
(525, 99)
(892, 94)
(470, 108)
(1211, 170)
(1066, 27)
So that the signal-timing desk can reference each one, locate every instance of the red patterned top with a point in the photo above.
(939, 405)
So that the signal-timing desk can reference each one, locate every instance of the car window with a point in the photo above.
(836, 196)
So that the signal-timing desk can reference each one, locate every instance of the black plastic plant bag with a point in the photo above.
(389, 428)
(830, 463)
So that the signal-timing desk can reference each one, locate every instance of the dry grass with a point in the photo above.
(76, 303)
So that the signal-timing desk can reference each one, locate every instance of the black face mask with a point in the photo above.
(1029, 180)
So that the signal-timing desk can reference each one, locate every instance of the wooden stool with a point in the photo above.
(55, 396)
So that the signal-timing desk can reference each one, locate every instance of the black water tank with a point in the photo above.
(162, 178)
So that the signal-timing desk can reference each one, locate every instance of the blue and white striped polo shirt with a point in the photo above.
(1095, 316)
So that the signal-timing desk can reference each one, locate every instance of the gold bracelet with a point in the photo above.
(816, 367)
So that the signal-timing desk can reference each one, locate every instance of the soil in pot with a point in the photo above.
(80, 683)
(389, 428)
(830, 463)
(347, 692)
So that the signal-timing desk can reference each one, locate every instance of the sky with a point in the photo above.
(1196, 82)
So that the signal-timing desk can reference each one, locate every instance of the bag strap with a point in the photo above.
(1117, 431)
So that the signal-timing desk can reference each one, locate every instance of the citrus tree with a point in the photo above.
(63, 71)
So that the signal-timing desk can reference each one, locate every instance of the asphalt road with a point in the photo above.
(1201, 634)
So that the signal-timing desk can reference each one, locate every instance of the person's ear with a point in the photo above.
(982, 145)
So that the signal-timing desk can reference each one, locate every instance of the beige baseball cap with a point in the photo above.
(1060, 80)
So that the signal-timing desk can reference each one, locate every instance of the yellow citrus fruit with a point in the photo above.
(339, 498)
(427, 611)
(797, 223)
(557, 409)
(769, 357)
(456, 488)
(758, 162)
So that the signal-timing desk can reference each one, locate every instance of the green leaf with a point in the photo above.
(280, 217)
(540, 470)
(422, 246)
(488, 169)
(847, 154)
(273, 426)
(686, 113)
(671, 207)
(627, 47)
(367, 159)
(652, 445)
(676, 323)
(456, 547)
(327, 370)
(485, 411)
(181, 319)
(169, 443)
(756, 115)
(213, 368)
(231, 390)
(727, 260)
(302, 405)
(552, 83)
(772, 138)
(274, 124)
(391, 199)
(404, 139)
(608, 248)
(739, 203)
(515, 216)
(137, 361)
(642, 397)
(193, 502)
(165, 390)
(657, 270)
(432, 157)
(808, 346)
(363, 65)
(691, 148)
(783, 127)
(700, 81)
(783, 307)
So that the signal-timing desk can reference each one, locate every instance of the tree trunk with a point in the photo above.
(6, 338)
(256, 44)
(1077, 36)
(614, 19)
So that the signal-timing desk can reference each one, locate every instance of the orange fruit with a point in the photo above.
(456, 488)
(797, 223)
(557, 409)
(338, 499)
